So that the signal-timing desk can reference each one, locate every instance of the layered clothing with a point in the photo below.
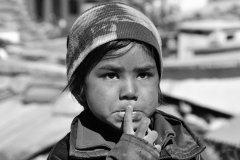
(89, 139)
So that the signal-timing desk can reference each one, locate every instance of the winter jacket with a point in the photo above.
(87, 141)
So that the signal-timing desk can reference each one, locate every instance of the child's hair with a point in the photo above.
(100, 30)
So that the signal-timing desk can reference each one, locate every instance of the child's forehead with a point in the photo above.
(131, 47)
(135, 48)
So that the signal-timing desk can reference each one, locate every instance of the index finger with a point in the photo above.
(127, 122)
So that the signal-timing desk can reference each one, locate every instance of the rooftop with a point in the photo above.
(210, 25)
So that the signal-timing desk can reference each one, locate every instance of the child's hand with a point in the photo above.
(142, 129)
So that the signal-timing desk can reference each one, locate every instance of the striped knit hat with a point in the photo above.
(105, 23)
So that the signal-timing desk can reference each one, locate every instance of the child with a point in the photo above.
(114, 66)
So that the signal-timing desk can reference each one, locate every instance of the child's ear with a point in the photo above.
(82, 98)
(160, 99)
(82, 94)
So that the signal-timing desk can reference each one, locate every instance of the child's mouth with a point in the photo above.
(122, 113)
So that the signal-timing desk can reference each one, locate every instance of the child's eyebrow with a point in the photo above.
(145, 68)
(114, 68)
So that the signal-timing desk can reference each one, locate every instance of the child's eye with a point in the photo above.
(111, 76)
(144, 75)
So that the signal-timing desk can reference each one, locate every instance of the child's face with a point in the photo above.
(113, 84)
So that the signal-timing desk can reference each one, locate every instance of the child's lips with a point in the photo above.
(135, 114)
(122, 113)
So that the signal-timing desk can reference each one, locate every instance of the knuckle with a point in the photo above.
(146, 121)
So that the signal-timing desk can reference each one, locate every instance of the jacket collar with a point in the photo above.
(176, 139)
(86, 137)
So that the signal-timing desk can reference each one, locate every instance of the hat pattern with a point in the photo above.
(105, 23)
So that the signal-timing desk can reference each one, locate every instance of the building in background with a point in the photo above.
(59, 12)
(208, 36)
(41, 19)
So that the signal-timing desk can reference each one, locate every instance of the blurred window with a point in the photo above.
(96, 1)
(91, 1)
(230, 37)
(56, 9)
(39, 9)
(73, 7)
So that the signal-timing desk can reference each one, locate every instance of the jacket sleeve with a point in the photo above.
(199, 157)
(131, 147)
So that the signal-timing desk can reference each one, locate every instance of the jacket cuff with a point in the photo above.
(131, 147)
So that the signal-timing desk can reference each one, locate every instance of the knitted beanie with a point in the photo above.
(104, 23)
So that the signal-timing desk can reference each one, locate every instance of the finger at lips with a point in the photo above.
(127, 123)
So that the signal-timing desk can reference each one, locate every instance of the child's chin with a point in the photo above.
(118, 127)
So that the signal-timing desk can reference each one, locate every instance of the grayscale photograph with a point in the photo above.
(120, 79)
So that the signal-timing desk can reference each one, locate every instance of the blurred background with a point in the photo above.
(200, 83)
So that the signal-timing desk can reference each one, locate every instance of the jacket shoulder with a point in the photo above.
(176, 123)
(180, 141)
(60, 150)
(166, 115)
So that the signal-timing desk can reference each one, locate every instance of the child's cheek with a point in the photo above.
(153, 98)
(99, 95)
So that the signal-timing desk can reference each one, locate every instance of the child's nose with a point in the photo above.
(129, 90)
